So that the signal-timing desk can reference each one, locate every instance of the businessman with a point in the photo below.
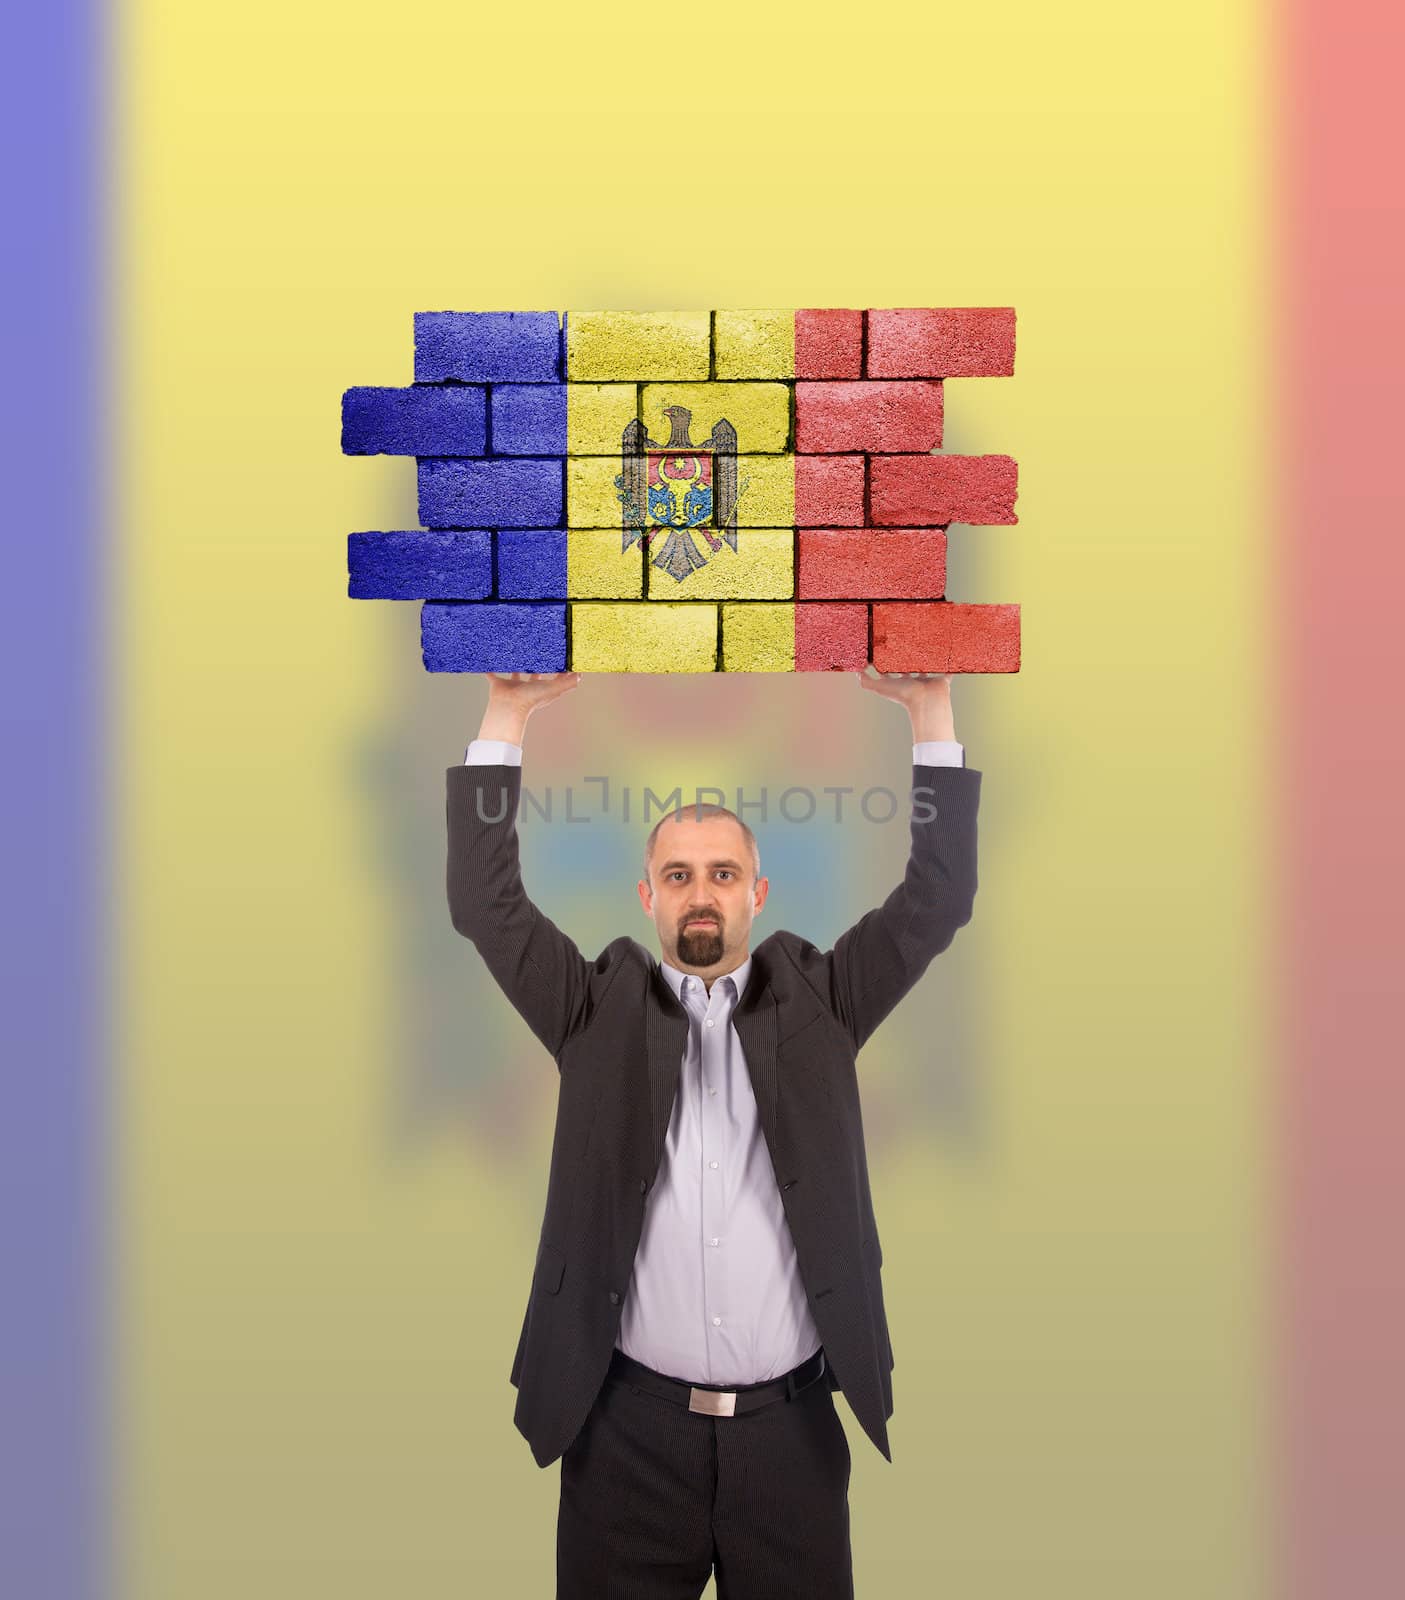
(709, 1270)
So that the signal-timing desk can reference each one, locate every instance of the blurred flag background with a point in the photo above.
(274, 1149)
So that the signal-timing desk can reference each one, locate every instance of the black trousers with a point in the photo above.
(654, 1496)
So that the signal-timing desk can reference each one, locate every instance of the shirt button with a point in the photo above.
(717, 1322)
(712, 1241)
(712, 1163)
(710, 1022)
(712, 1091)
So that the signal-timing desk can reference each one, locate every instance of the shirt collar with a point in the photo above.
(738, 975)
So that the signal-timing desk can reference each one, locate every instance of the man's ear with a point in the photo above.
(646, 898)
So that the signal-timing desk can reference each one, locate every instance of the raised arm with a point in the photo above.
(874, 963)
(537, 966)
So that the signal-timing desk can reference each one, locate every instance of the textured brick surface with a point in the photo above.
(831, 636)
(762, 567)
(829, 491)
(984, 639)
(529, 419)
(941, 637)
(760, 412)
(494, 494)
(765, 491)
(660, 637)
(596, 415)
(832, 417)
(754, 344)
(517, 422)
(608, 346)
(493, 636)
(419, 566)
(531, 563)
(413, 422)
(871, 563)
(592, 496)
(927, 491)
(829, 344)
(965, 342)
(487, 346)
(758, 636)
(597, 568)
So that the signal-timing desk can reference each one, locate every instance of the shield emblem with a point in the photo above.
(680, 490)
(675, 487)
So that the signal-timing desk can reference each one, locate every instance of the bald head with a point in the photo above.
(702, 812)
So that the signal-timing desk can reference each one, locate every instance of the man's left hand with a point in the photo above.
(926, 695)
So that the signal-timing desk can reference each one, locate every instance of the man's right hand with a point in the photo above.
(514, 696)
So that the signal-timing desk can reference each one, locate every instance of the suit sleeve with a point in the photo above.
(874, 963)
(537, 966)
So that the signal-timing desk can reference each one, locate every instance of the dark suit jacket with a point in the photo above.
(618, 1034)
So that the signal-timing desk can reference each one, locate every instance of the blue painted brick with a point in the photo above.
(487, 346)
(532, 564)
(487, 636)
(420, 566)
(490, 494)
(529, 419)
(448, 421)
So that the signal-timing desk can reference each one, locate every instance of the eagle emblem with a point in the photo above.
(678, 487)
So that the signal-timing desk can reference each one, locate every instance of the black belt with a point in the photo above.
(711, 1399)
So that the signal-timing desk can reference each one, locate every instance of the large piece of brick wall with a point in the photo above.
(688, 491)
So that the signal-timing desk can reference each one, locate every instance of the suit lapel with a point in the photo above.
(666, 1035)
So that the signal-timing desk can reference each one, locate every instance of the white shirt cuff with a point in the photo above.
(502, 752)
(492, 752)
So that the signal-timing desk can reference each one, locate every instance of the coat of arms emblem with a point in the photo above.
(678, 487)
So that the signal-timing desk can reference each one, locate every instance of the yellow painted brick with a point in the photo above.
(760, 412)
(596, 414)
(598, 569)
(643, 638)
(765, 491)
(758, 637)
(592, 497)
(754, 344)
(762, 567)
(602, 346)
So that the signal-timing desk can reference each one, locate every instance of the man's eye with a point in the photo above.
(726, 872)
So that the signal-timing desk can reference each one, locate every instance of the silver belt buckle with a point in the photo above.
(713, 1402)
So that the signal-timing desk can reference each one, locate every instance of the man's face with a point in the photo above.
(703, 896)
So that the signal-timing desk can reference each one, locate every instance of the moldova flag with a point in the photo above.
(688, 491)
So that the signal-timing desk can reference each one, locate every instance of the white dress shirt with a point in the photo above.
(716, 1294)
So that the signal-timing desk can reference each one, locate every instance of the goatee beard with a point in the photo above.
(700, 947)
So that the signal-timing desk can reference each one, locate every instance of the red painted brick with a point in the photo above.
(984, 639)
(941, 637)
(829, 344)
(872, 564)
(967, 342)
(831, 638)
(832, 417)
(829, 491)
(932, 491)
